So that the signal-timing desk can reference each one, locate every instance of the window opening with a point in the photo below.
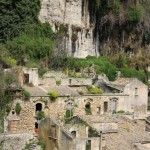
(105, 106)
(73, 133)
(98, 110)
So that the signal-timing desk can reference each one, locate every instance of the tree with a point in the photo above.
(14, 15)
(8, 81)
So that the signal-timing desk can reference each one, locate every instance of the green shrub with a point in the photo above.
(9, 61)
(53, 95)
(69, 113)
(118, 112)
(58, 82)
(88, 111)
(102, 65)
(42, 144)
(40, 115)
(18, 108)
(26, 94)
(130, 73)
(81, 92)
(134, 13)
(94, 90)
(42, 71)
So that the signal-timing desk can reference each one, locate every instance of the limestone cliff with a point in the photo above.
(100, 27)
(73, 14)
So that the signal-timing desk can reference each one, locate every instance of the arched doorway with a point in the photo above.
(38, 107)
(36, 127)
(113, 105)
(73, 133)
(88, 108)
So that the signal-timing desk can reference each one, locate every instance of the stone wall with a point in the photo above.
(106, 127)
(52, 81)
(80, 41)
(138, 98)
(27, 117)
(15, 141)
(76, 81)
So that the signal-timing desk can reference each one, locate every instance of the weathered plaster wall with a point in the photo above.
(33, 75)
(74, 14)
(138, 97)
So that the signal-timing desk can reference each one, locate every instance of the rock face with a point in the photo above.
(74, 16)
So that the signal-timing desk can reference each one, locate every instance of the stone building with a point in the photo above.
(131, 99)
(137, 95)
(75, 134)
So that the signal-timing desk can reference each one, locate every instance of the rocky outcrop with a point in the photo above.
(74, 16)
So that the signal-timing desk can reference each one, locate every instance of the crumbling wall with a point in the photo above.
(15, 141)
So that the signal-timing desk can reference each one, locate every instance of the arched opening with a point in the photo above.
(13, 112)
(70, 81)
(73, 133)
(69, 110)
(88, 145)
(38, 107)
(114, 105)
(105, 106)
(88, 108)
(136, 91)
(36, 125)
(99, 110)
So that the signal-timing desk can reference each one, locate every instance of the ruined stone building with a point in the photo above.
(126, 95)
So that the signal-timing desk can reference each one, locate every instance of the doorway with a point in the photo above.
(26, 78)
(38, 107)
(113, 105)
(105, 106)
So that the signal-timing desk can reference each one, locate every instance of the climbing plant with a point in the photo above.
(18, 108)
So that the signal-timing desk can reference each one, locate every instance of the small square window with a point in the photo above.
(136, 91)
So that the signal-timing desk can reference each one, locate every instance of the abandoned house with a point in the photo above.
(131, 98)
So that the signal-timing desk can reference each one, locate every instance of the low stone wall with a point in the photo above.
(106, 127)
(15, 141)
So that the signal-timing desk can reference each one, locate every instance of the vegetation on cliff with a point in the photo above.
(122, 26)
